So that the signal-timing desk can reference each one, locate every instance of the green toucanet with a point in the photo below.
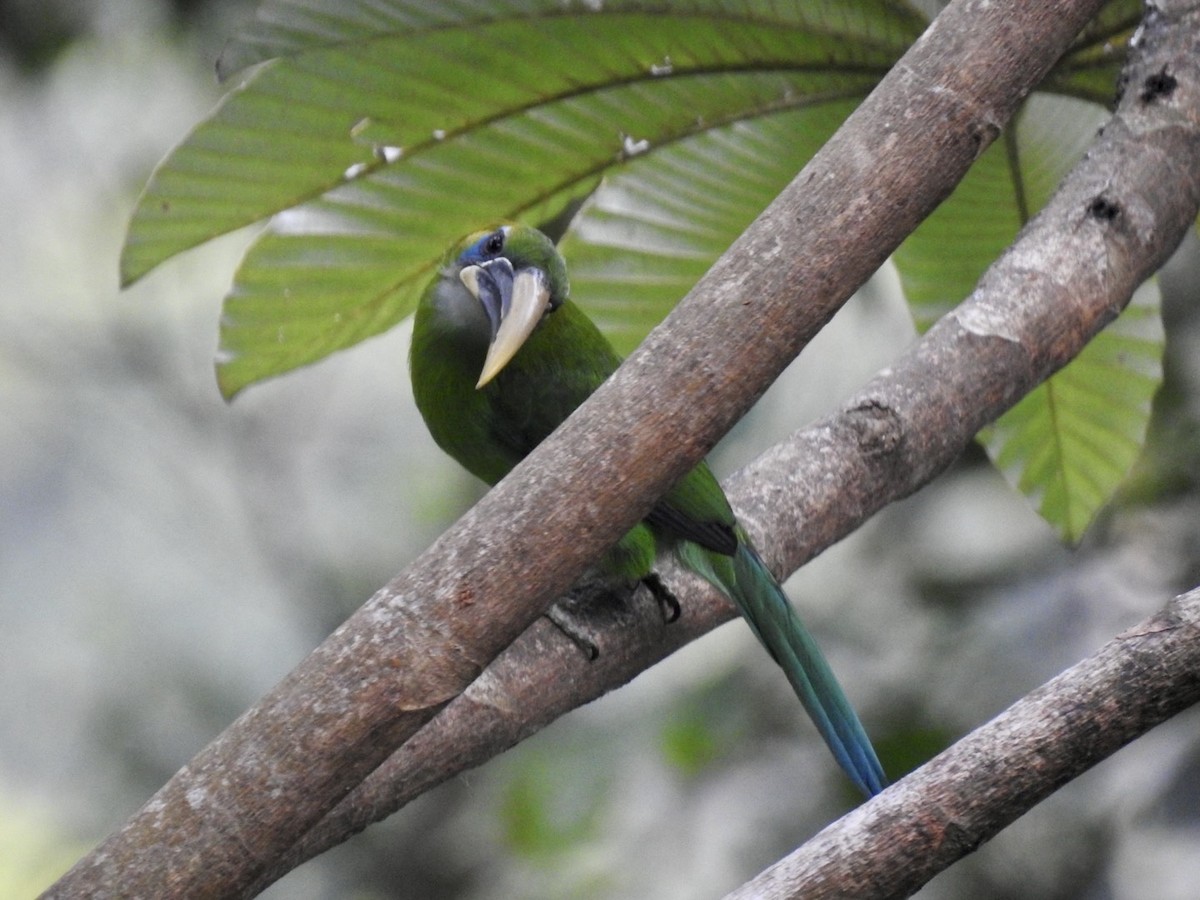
(501, 356)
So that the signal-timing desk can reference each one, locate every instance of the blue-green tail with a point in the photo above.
(746, 580)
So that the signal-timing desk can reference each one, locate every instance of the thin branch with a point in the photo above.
(245, 799)
(1070, 271)
(893, 845)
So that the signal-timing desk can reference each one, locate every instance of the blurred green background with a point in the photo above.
(165, 558)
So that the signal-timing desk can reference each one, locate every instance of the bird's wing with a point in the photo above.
(696, 510)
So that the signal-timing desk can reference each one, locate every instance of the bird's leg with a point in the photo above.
(568, 624)
(597, 603)
(581, 612)
(594, 604)
(668, 603)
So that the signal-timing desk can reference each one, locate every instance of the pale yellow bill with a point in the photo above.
(530, 297)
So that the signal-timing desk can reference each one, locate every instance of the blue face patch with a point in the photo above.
(490, 246)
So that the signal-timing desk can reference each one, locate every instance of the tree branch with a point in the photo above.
(218, 823)
(893, 845)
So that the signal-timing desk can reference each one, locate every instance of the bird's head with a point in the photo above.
(518, 276)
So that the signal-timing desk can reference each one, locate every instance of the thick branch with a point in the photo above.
(1067, 275)
(216, 825)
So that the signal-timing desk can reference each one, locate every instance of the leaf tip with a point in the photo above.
(128, 269)
(229, 382)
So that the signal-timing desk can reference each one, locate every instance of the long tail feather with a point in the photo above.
(746, 580)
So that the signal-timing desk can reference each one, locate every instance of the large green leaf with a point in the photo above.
(1070, 443)
(387, 128)
(942, 260)
(650, 231)
(303, 125)
(351, 263)
(1088, 71)
(286, 27)
(377, 155)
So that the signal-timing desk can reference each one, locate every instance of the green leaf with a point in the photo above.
(1089, 69)
(376, 156)
(649, 232)
(286, 27)
(1070, 443)
(550, 806)
(338, 269)
(943, 259)
(304, 125)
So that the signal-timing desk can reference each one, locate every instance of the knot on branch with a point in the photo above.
(876, 427)
(1158, 86)
(1103, 209)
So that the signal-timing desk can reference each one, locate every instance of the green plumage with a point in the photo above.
(553, 369)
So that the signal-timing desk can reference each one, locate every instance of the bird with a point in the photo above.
(501, 355)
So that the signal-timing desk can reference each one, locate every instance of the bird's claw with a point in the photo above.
(667, 602)
(568, 625)
(598, 602)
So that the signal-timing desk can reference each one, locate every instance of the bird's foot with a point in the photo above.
(569, 624)
(594, 604)
(668, 603)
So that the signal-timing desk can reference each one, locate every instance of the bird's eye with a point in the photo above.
(494, 244)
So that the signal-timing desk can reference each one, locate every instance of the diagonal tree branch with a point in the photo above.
(893, 845)
(1114, 221)
(216, 825)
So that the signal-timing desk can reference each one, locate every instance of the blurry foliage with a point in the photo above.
(34, 853)
(552, 803)
(33, 33)
(709, 727)
(689, 740)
